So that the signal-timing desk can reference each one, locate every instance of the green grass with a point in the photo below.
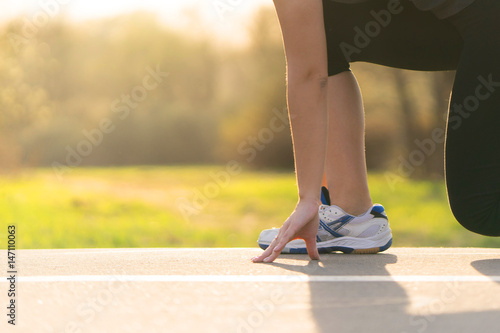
(139, 207)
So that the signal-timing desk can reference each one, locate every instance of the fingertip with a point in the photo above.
(257, 259)
(312, 250)
(279, 248)
(316, 254)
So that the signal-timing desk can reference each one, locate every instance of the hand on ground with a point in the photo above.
(303, 223)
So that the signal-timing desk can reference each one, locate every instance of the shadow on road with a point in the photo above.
(384, 306)
(488, 267)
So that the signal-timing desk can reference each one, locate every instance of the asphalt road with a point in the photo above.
(220, 290)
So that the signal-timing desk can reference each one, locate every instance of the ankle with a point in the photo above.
(354, 208)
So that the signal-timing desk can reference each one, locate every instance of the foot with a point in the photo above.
(339, 231)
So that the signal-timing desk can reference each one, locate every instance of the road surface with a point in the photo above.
(403, 290)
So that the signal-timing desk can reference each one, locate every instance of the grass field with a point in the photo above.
(184, 207)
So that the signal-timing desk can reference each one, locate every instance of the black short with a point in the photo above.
(388, 32)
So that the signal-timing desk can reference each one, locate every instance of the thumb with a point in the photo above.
(312, 248)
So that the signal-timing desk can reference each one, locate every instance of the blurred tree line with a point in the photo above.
(129, 90)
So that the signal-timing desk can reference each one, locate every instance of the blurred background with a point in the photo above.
(163, 123)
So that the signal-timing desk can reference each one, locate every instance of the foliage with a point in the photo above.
(138, 207)
(215, 105)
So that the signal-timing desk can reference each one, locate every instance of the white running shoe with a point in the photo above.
(339, 231)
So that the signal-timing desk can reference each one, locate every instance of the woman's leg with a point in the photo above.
(345, 160)
(473, 137)
(379, 32)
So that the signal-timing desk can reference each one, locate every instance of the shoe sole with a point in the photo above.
(330, 249)
(345, 250)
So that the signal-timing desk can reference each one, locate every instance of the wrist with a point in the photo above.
(309, 200)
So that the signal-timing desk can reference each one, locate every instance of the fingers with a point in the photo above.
(303, 223)
(274, 254)
(285, 235)
(274, 249)
(312, 248)
(267, 252)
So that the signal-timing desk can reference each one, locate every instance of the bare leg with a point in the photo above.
(345, 159)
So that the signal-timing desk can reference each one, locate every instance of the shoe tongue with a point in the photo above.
(331, 213)
(325, 196)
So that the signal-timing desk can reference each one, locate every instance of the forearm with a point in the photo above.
(308, 119)
(305, 48)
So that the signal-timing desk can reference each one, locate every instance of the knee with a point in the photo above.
(481, 215)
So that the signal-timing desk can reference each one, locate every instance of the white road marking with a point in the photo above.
(146, 250)
(256, 278)
(92, 252)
